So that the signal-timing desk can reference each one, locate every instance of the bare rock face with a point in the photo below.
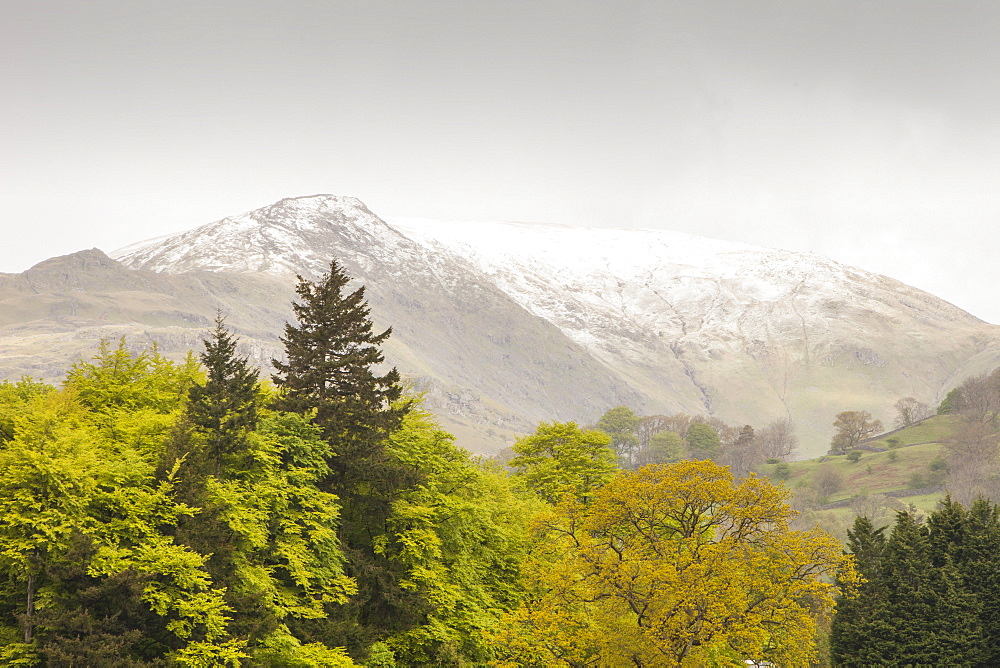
(502, 325)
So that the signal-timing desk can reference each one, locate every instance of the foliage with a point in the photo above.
(665, 447)
(673, 565)
(561, 459)
(134, 400)
(853, 427)
(947, 405)
(703, 441)
(79, 470)
(620, 424)
(461, 536)
(927, 592)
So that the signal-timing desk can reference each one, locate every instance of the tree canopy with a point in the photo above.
(673, 565)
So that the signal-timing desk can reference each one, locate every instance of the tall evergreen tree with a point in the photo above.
(224, 409)
(914, 608)
(857, 614)
(331, 372)
(332, 357)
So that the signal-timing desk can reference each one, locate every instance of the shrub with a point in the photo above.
(853, 456)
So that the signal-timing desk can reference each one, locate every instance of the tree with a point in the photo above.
(673, 565)
(560, 459)
(858, 608)
(777, 439)
(744, 453)
(461, 538)
(332, 356)
(665, 447)
(909, 411)
(852, 428)
(651, 425)
(224, 409)
(947, 405)
(703, 441)
(919, 602)
(620, 424)
(978, 397)
(972, 460)
(331, 374)
(827, 480)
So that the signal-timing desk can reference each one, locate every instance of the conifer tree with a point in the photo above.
(224, 409)
(331, 372)
(332, 356)
(857, 614)
(913, 609)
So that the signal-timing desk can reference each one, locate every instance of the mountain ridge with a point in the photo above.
(506, 324)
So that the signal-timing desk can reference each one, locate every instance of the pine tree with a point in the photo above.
(856, 615)
(332, 356)
(331, 372)
(224, 409)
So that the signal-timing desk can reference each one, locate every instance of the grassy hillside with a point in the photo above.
(908, 471)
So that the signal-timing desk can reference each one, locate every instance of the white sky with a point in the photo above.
(865, 131)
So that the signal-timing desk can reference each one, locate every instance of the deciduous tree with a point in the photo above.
(673, 565)
(909, 411)
(852, 427)
(561, 459)
(620, 424)
(703, 442)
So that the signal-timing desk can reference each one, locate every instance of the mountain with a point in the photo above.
(506, 324)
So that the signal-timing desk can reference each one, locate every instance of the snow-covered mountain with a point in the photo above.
(505, 324)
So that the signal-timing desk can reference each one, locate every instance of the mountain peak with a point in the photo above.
(293, 235)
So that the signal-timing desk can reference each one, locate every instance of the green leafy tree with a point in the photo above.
(134, 400)
(620, 424)
(14, 397)
(853, 427)
(49, 474)
(665, 447)
(561, 459)
(703, 441)
(461, 536)
(62, 481)
(948, 404)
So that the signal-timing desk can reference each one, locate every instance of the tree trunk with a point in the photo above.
(29, 615)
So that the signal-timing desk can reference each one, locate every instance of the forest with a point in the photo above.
(162, 513)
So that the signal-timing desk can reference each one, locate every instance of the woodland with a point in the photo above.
(162, 513)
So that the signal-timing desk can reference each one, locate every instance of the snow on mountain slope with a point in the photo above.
(596, 283)
(678, 322)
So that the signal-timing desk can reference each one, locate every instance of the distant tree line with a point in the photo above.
(659, 439)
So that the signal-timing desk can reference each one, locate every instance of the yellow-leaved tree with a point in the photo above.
(673, 565)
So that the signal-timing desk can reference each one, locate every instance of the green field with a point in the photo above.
(878, 484)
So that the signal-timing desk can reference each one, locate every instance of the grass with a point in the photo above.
(867, 481)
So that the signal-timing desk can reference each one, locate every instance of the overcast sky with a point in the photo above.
(866, 131)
